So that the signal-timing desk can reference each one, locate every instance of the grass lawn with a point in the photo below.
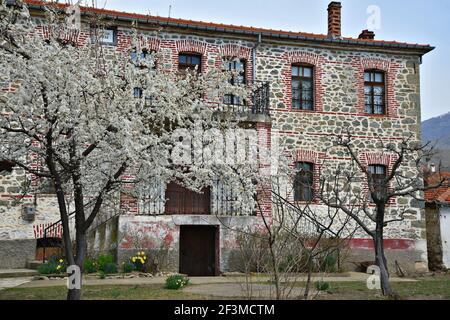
(425, 288)
(102, 292)
(432, 288)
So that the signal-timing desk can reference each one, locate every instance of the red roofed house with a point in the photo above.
(437, 210)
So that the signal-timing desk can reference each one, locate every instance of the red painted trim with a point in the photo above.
(391, 244)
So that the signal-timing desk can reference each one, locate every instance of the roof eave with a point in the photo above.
(419, 49)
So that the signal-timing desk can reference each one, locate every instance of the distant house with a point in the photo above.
(437, 210)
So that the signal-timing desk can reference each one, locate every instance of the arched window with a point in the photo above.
(303, 182)
(302, 87)
(238, 66)
(375, 92)
(189, 61)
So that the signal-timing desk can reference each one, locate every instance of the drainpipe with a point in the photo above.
(254, 56)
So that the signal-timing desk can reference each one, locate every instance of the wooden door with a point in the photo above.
(183, 201)
(198, 250)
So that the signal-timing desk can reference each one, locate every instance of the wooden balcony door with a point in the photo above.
(183, 201)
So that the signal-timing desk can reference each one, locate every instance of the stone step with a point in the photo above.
(17, 273)
(34, 264)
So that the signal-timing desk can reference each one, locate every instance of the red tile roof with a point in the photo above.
(192, 23)
(441, 194)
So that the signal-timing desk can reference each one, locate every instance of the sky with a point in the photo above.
(413, 21)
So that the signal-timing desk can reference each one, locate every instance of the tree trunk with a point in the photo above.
(380, 258)
(276, 275)
(308, 279)
(74, 294)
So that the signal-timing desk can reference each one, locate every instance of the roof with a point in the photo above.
(441, 194)
(243, 30)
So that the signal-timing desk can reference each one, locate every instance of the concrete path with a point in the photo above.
(93, 280)
(6, 283)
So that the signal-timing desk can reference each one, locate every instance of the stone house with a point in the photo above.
(437, 210)
(312, 85)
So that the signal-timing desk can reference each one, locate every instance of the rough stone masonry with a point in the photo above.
(338, 66)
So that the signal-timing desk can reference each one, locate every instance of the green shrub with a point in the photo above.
(53, 266)
(47, 268)
(322, 286)
(104, 259)
(90, 265)
(127, 267)
(102, 275)
(109, 268)
(329, 263)
(176, 281)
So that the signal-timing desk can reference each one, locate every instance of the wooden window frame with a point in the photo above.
(113, 43)
(372, 85)
(300, 79)
(373, 168)
(184, 66)
(233, 100)
(299, 187)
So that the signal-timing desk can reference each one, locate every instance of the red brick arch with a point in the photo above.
(191, 46)
(314, 157)
(378, 158)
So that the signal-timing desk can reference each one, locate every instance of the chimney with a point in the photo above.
(433, 168)
(367, 35)
(334, 20)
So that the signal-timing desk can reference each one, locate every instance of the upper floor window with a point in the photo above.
(106, 36)
(374, 92)
(189, 61)
(142, 55)
(303, 182)
(302, 87)
(378, 174)
(238, 67)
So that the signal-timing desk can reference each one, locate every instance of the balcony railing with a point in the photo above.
(257, 103)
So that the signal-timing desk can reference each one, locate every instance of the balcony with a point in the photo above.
(173, 199)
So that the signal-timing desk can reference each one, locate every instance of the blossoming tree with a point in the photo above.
(79, 121)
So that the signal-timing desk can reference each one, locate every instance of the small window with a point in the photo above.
(374, 92)
(137, 92)
(106, 36)
(303, 182)
(378, 173)
(189, 61)
(302, 87)
(239, 67)
(142, 55)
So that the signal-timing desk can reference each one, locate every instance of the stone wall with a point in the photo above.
(155, 233)
(16, 253)
(12, 200)
(338, 103)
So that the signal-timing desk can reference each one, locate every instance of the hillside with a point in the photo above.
(437, 130)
